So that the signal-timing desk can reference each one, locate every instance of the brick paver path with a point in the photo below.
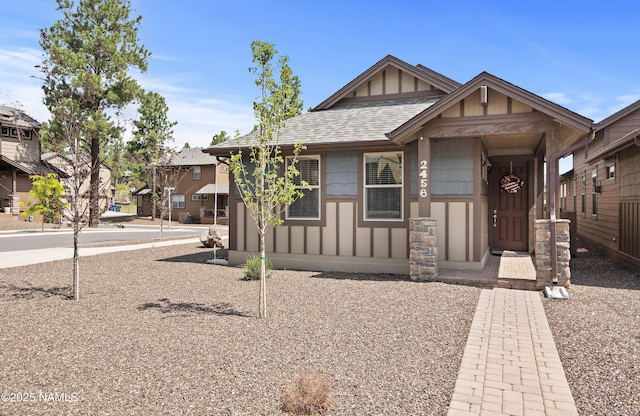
(510, 364)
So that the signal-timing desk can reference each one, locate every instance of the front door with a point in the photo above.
(509, 184)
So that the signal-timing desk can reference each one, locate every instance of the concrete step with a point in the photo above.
(514, 283)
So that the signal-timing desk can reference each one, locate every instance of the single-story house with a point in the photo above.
(603, 189)
(403, 142)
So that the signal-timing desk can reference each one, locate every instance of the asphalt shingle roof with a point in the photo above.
(348, 123)
(193, 157)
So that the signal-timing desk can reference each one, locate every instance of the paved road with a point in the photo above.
(56, 245)
(105, 234)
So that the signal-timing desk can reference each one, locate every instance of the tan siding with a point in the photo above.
(452, 112)
(363, 242)
(376, 85)
(423, 86)
(252, 243)
(363, 90)
(438, 212)
(27, 151)
(392, 77)
(297, 239)
(381, 242)
(472, 106)
(345, 233)
(484, 225)
(497, 103)
(399, 242)
(269, 240)
(282, 239)
(241, 225)
(518, 107)
(313, 240)
(408, 83)
(329, 232)
(457, 231)
(470, 231)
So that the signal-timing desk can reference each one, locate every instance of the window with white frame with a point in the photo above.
(177, 201)
(383, 178)
(197, 173)
(199, 197)
(307, 207)
(611, 171)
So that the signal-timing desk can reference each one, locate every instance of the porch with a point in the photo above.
(509, 270)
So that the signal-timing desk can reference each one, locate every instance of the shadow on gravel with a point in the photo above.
(190, 308)
(376, 277)
(30, 292)
(201, 257)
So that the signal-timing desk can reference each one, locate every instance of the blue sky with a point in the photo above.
(582, 55)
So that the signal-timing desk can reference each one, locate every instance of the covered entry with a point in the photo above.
(513, 134)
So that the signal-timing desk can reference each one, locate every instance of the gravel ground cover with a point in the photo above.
(159, 332)
(597, 334)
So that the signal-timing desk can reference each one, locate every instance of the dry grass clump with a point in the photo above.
(309, 394)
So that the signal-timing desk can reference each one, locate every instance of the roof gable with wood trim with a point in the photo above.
(390, 79)
(487, 95)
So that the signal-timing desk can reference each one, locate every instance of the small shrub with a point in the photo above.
(309, 394)
(252, 268)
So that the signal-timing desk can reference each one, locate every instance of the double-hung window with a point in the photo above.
(177, 201)
(197, 173)
(307, 207)
(383, 190)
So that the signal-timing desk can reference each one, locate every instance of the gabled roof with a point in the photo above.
(10, 116)
(357, 123)
(192, 157)
(618, 115)
(534, 101)
(421, 72)
(30, 168)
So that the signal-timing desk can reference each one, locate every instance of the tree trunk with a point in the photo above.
(263, 277)
(76, 267)
(94, 187)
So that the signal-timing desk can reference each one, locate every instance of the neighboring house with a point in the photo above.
(62, 165)
(19, 157)
(603, 189)
(401, 142)
(198, 179)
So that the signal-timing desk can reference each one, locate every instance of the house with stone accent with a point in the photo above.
(602, 192)
(412, 172)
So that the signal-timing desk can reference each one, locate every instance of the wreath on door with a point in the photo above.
(511, 183)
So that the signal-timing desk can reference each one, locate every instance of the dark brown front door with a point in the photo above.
(509, 184)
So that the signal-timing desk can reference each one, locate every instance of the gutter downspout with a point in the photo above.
(552, 176)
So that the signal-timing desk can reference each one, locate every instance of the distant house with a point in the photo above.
(19, 157)
(199, 182)
(62, 165)
(603, 189)
(401, 143)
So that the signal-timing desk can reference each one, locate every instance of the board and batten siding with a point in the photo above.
(629, 177)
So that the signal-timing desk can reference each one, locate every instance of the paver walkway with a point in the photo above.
(510, 364)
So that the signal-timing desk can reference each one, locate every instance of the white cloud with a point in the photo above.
(199, 116)
(558, 97)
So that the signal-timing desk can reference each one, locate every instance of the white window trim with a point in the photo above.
(314, 157)
(184, 201)
(364, 183)
(196, 170)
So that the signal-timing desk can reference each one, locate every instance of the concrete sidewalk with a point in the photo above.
(26, 257)
(510, 364)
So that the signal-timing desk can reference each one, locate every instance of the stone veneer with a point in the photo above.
(423, 249)
(543, 252)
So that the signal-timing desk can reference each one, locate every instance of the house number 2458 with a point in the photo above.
(424, 178)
